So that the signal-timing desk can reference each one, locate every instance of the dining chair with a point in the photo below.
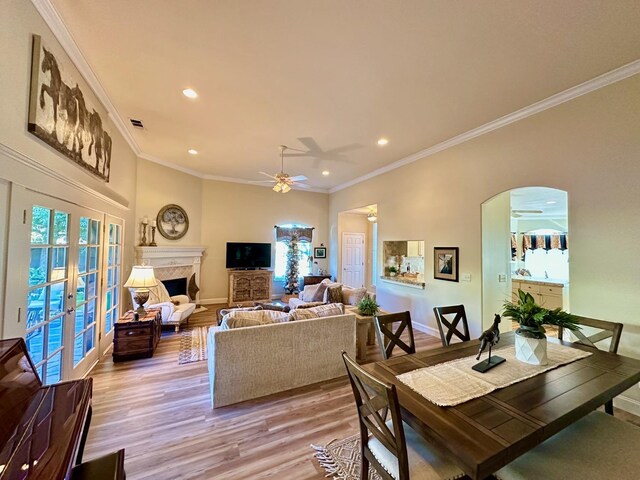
(388, 338)
(606, 330)
(596, 446)
(391, 447)
(452, 326)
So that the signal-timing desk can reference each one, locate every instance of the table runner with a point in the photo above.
(451, 383)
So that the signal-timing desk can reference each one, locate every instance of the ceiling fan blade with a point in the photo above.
(298, 178)
(267, 175)
(262, 181)
(311, 144)
(301, 185)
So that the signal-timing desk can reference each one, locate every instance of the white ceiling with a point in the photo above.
(539, 198)
(340, 72)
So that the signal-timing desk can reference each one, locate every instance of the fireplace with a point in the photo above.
(178, 268)
(176, 286)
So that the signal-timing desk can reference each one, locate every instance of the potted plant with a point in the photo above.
(531, 341)
(393, 271)
(368, 306)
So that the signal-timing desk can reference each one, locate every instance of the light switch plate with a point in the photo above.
(502, 278)
(466, 277)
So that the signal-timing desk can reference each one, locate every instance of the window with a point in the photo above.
(304, 266)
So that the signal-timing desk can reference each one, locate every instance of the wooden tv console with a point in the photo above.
(247, 287)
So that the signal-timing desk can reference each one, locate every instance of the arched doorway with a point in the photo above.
(525, 244)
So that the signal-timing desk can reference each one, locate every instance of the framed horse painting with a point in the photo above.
(62, 117)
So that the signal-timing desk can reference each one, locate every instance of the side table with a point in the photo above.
(365, 333)
(135, 339)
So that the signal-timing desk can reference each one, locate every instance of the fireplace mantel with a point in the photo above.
(171, 262)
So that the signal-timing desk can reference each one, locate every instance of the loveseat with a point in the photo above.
(252, 362)
(317, 294)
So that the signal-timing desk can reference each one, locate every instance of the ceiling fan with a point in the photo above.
(283, 182)
(519, 213)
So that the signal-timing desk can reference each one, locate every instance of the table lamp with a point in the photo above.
(139, 281)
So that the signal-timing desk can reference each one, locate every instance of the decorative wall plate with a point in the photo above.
(173, 222)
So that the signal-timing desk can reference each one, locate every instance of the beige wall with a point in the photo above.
(27, 161)
(159, 186)
(233, 212)
(589, 147)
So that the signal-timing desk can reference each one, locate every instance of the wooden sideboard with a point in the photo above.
(247, 287)
(313, 279)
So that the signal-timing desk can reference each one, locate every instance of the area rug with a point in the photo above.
(193, 344)
(341, 459)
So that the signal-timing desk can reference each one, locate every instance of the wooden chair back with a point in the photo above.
(374, 401)
(388, 338)
(452, 326)
(606, 329)
(610, 330)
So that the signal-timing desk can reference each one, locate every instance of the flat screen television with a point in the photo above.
(248, 255)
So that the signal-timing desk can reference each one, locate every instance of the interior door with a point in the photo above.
(112, 285)
(353, 259)
(54, 248)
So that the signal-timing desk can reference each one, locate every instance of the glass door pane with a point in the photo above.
(113, 279)
(47, 292)
(88, 271)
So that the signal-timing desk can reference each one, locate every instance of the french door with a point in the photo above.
(61, 251)
(112, 287)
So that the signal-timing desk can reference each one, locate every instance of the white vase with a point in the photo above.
(531, 348)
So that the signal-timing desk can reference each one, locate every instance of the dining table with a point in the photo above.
(486, 433)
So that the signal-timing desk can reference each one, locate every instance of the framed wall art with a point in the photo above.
(172, 221)
(64, 116)
(320, 252)
(445, 263)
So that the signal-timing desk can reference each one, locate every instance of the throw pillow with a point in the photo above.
(330, 285)
(352, 296)
(328, 310)
(302, 314)
(319, 295)
(309, 305)
(334, 294)
(309, 291)
(244, 318)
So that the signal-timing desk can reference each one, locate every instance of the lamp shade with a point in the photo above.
(141, 277)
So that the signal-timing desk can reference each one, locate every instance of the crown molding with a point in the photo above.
(53, 19)
(589, 86)
(23, 159)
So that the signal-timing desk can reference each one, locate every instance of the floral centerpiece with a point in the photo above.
(531, 341)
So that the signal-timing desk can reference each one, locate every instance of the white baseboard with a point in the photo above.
(210, 301)
(425, 329)
(627, 404)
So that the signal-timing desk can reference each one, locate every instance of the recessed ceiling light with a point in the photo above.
(192, 151)
(326, 172)
(382, 142)
(551, 202)
(190, 92)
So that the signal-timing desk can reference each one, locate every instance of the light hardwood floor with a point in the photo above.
(160, 413)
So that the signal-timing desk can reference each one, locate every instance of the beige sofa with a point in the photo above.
(252, 362)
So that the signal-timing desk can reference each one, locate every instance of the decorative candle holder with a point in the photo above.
(143, 242)
(153, 237)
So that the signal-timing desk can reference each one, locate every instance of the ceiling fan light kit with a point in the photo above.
(283, 182)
